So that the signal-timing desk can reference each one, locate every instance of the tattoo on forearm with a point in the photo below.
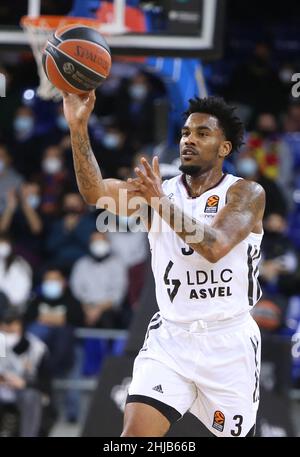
(86, 167)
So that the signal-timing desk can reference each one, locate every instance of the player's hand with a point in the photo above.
(78, 108)
(148, 182)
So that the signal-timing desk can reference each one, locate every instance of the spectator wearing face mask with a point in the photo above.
(131, 246)
(9, 178)
(30, 138)
(52, 316)
(23, 124)
(279, 271)
(267, 146)
(24, 379)
(22, 219)
(99, 281)
(24, 142)
(15, 275)
(68, 236)
(53, 179)
(248, 168)
(115, 153)
(135, 109)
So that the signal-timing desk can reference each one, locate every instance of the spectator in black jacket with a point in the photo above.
(24, 378)
(52, 316)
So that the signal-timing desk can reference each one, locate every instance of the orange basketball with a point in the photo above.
(77, 59)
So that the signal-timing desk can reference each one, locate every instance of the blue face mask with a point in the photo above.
(62, 123)
(138, 91)
(33, 200)
(111, 140)
(52, 289)
(247, 167)
(23, 124)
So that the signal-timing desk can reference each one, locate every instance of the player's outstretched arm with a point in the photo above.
(241, 215)
(91, 185)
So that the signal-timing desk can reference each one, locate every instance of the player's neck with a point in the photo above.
(199, 184)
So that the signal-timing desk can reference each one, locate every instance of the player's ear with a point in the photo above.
(225, 149)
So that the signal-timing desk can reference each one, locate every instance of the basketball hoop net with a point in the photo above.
(39, 30)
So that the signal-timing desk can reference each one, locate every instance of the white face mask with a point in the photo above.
(100, 248)
(5, 249)
(11, 339)
(52, 165)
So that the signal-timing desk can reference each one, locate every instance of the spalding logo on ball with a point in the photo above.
(77, 59)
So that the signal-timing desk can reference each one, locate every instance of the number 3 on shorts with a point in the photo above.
(238, 425)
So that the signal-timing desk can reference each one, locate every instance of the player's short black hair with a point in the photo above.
(229, 122)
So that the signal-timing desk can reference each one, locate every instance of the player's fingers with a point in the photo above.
(140, 174)
(147, 167)
(134, 184)
(155, 166)
(134, 181)
(137, 190)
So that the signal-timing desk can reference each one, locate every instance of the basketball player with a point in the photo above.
(202, 349)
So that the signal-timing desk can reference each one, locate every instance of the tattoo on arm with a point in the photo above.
(243, 211)
(87, 170)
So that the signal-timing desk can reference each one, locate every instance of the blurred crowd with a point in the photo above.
(58, 272)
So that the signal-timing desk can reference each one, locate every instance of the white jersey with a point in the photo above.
(189, 287)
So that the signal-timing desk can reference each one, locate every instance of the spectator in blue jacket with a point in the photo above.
(68, 237)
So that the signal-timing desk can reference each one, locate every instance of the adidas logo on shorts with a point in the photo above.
(158, 389)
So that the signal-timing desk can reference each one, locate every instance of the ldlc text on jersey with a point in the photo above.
(201, 277)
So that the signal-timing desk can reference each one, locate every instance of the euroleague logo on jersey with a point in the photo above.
(219, 421)
(212, 204)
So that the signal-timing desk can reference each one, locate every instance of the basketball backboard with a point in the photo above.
(181, 28)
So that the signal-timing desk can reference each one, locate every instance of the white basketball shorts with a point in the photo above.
(211, 370)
